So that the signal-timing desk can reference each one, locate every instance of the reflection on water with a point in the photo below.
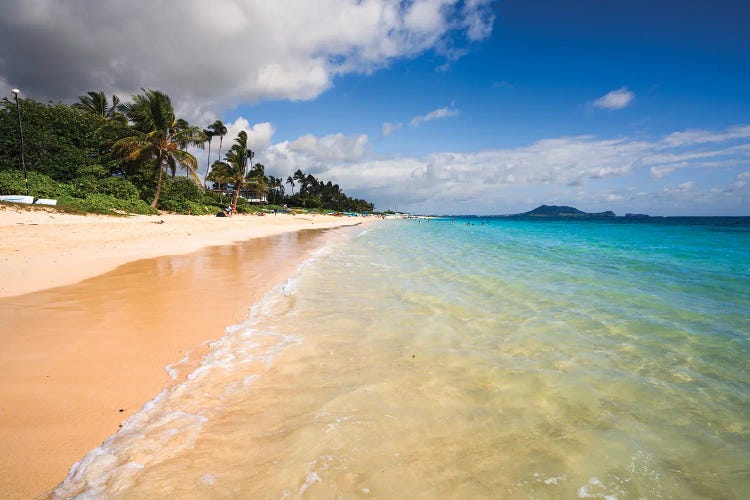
(513, 360)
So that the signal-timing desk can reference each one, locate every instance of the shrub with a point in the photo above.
(113, 186)
(181, 195)
(96, 171)
(40, 185)
(84, 186)
(106, 204)
(244, 206)
(117, 187)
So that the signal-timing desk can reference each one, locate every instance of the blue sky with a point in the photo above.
(536, 77)
(447, 106)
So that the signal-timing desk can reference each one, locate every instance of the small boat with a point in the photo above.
(27, 200)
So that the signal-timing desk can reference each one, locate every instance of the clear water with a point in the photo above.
(471, 358)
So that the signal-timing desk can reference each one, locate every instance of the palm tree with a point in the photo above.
(299, 176)
(219, 129)
(209, 137)
(290, 181)
(96, 103)
(158, 136)
(272, 187)
(234, 167)
(257, 179)
(278, 185)
(184, 141)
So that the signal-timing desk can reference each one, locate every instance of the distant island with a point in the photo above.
(562, 211)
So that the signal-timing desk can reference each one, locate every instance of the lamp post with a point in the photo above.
(20, 132)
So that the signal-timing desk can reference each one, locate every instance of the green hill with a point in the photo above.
(563, 211)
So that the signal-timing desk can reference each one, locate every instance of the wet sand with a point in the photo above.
(41, 248)
(78, 359)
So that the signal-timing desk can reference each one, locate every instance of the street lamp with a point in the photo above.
(20, 132)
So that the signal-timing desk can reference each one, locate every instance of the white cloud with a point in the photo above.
(664, 170)
(741, 184)
(562, 168)
(210, 55)
(686, 186)
(389, 128)
(617, 99)
(425, 16)
(258, 137)
(691, 137)
(434, 115)
(664, 161)
(315, 154)
(477, 19)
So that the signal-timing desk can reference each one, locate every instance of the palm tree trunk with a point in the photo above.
(208, 166)
(158, 186)
(235, 196)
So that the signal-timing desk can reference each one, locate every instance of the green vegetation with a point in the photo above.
(159, 138)
(60, 141)
(318, 194)
(96, 103)
(104, 156)
(86, 194)
(234, 167)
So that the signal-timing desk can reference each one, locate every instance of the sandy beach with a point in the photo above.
(93, 309)
(42, 249)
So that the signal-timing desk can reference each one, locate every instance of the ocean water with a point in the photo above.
(467, 358)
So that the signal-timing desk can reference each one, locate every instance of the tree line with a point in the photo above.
(141, 148)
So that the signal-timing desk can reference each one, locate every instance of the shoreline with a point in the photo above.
(42, 249)
(85, 355)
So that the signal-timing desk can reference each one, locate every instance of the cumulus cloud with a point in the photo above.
(434, 115)
(259, 137)
(562, 168)
(209, 55)
(389, 128)
(617, 99)
(316, 154)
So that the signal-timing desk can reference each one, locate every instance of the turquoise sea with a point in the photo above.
(467, 358)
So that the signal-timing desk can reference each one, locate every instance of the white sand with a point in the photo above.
(43, 249)
(78, 360)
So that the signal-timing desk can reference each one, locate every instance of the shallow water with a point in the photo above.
(463, 359)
